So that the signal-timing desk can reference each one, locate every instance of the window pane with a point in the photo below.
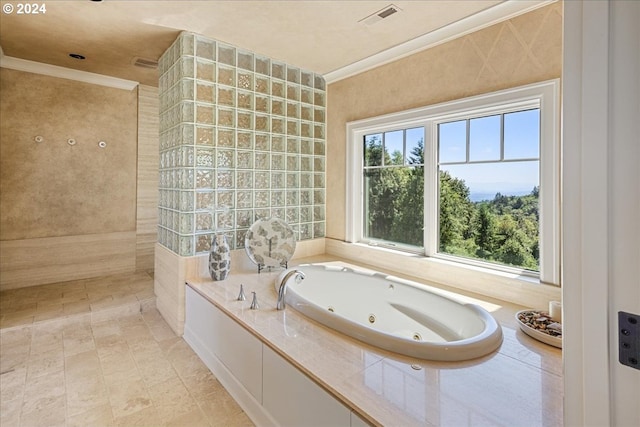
(484, 138)
(452, 142)
(373, 150)
(394, 148)
(393, 205)
(490, 212)
(522, 135)
(415, 146)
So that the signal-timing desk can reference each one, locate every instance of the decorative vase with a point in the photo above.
(219, 257)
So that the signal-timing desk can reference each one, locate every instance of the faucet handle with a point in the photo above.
(241, 296)
(254, 302)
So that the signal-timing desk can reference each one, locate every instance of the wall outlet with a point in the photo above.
(629, 339)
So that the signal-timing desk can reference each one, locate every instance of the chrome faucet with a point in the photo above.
(282, 290)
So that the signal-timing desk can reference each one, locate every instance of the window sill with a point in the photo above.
(522, 290)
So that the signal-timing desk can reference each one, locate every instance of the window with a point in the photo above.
(473, 181)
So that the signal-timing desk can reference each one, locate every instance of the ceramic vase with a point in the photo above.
(219, 257)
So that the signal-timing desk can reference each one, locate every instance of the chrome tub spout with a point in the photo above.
(282, 290)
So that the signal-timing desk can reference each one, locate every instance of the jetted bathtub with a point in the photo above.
(392, 313)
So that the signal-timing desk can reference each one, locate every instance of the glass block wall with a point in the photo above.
(242, 137)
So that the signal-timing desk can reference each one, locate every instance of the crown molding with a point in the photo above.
(501, 12)
(65, 73)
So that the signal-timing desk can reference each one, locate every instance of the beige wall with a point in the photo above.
(522, 50)
(69, 212)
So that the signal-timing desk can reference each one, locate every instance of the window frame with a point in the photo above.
(544, 95)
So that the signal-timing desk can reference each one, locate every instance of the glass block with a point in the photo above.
(262, 123)
(245, 60)
(318, 230)
(306, 197)
(277, 162)
(225, 179)
(187, 112)
(262, 104)
(245, 159)
(262, 65)
(293, 180)
(306, 213)
(187, 179)
(306, 78)
(226, 96)
(319, 82)
(186, 90)
(186, 223)
(277, 143)
(262, 214)
(244, 218)
(226, 117)
(293, 74)
(186, 200)
(226, 138)
(262, 85)
(277, 107)
(245, 140)
(205, 92)
(305, 130)
(226, 75)
(318, 98)
(306, 164)
(318, 115)
(318, 131)
(305, 231)
(318, 148)
(277, 180)
(244, 199)
(293, 127)
(277, 125)
(277, 198)
(305, 113)
(292, 197)
(205, 114)
(225, 159)
(225, 199)
(204, 157)
(186, 68)
(204, 200)
(277, 89)
(318, 213)
(186, 46)
(244, 179)
(292, 163)
(245, 120)
(278, 213)
(277, 70)
(292, 215)
(318, 197)
(204, 178)
(245, 100)
(318, 164)
(261, 199)
(262, 160)
(186, 246)
(240, 237)
(245, 80)
(306, 180)
(306, 95)
(293, 145)
(318, 180)
(205, 48)
(306, 146)
(262, 180)
(292, 110)
(293, 92)
(262, 142)
(203, 242)
(224, 220)
(205, 71)
(204, 221)
(226, 54)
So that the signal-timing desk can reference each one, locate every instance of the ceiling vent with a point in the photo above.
(378, 16)
(145, 63)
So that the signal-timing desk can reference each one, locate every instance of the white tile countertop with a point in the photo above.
(519, 385)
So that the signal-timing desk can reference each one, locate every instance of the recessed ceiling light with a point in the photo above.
(76, 56)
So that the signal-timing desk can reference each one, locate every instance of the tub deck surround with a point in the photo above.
(520, 384)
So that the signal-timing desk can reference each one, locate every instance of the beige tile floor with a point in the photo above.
(107, 358)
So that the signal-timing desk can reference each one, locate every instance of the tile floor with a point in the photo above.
(97, 353)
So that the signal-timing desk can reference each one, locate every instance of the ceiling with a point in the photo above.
(317, 35)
